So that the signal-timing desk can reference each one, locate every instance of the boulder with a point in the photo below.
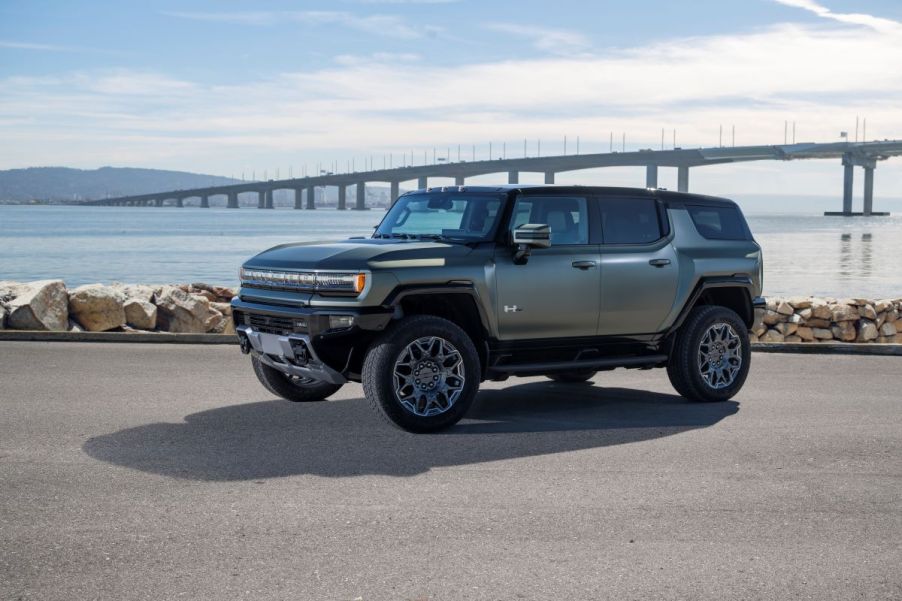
(868, 312)
(821, 311)
(219, 293)
(215, 322)
(42, 305)
(74, 326)
(867, 331)
(822, 333)
(814, 322)
(796, 319)
(772, 336)
(888, 329)
(792, 338)
(805, 313)
(800, 302)
(786, 328)
(805, 333)
(140, 314)
(3, 314)
(178, 311)
(844, 331)
(784, 308)
(771, 304)
(135, 291)
(97, 308)
(771, 317)
(844, 313)
(882, 305)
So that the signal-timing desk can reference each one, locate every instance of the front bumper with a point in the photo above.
(292, 354)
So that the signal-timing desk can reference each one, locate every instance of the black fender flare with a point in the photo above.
(704, 284)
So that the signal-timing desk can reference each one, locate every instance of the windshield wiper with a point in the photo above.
(402, 236)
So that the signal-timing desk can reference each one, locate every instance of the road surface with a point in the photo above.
(134, 471)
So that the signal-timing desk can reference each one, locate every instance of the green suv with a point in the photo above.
(462, 284)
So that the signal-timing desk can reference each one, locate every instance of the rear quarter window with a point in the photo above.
(719, 223)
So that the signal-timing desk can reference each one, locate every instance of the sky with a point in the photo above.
(232, 87)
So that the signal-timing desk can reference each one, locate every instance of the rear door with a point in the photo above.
(556, 294)
(639, 269)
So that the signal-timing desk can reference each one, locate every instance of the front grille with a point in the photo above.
(269, 324)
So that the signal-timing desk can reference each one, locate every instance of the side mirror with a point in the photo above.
(530, 236)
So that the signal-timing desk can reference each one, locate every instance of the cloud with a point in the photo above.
(553, 41)
(35, 46)
(870, 21)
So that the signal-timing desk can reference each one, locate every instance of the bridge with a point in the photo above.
(852, 154)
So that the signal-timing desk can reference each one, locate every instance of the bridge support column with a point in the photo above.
(268, 200)
(233, 200)
(513, 177)
(311, 198)
(158, 202)
(342, 199)
(261, 199)
(395, 192)
(868, 191)
(361, 197)
(549, 177)
(848, 181)
(422, 183)
(651, 176)
(298, 198)
(205, 202)
(180, 202)
(459, 180)
(683, 178)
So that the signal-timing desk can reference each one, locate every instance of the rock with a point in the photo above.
(792, 338)
(178, 311)
(844, 331)
(822, 334)
(74, 326)
(772, 336)
(3, 314)
(771, 304)
(881, 318)
(215, 323)
(821, 311)
(221, 293)
(867, 331)
(759, 329)
(818, 323)
(786, 328)
(800, 302)
(805, 314)
(796, 319)
(42, 305)
(135, 291)
(771, 317)
(805, 333)
(844, 313)
(882, 305)
(897, 339)
(97, 308)
(140, 314)
(753, 338)
(892, 316)
(888, 329)
(868, 312)
(784, 308)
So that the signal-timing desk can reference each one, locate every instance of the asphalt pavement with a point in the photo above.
(132, 471)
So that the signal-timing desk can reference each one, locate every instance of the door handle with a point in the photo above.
(583, 264)
(659, 262)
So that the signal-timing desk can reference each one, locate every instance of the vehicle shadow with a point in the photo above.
(251, 441)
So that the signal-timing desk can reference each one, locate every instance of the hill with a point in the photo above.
(62, 184)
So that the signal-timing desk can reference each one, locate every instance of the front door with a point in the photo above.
(557, 293)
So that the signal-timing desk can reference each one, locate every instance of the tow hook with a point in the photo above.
(244, 343)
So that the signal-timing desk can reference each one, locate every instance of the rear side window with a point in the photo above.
(719, 223)
(630, 220)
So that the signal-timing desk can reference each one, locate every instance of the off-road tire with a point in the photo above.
(573, 377)
(379, 365)
(683, 364)
(290, 389)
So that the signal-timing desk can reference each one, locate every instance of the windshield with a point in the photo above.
(463, 216)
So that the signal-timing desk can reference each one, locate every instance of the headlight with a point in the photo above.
(312, 281)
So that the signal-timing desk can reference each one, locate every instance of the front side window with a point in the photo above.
(442, 215)
(629, 220)
(567, 216)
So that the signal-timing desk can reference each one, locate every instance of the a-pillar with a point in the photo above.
(311, 198)
(205, 202)
(180, 202)
(549, 177)
(342, 198)
(868, 190)
(422, 183)
(459, 180)
(261, 199)
(361, 197)
(298, 198)
(847, 183)
(395, 192)
(268, 200)
(683, 178)
(513, 177)
(233, 200)
(651, 176)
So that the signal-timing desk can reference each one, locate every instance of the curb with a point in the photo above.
(825, 348)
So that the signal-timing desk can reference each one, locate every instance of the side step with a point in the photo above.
(599, 363)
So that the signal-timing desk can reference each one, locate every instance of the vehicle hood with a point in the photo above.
(353, 255)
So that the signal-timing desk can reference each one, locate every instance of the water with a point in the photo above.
(804, 254)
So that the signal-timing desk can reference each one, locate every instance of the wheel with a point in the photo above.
(422, 375)
(711, 355)
(572, 377)
(292, 388)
